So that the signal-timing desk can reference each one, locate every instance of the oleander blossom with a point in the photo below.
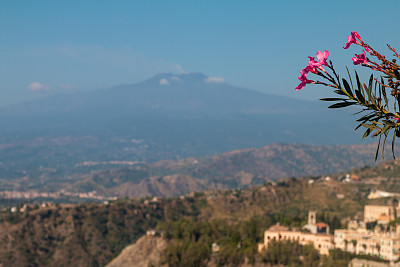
(303, 78)
(313, 67)
(322, 57)
(352, 39)
(360, 59)
(380, 116)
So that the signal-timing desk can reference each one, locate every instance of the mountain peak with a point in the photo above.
(182, 78)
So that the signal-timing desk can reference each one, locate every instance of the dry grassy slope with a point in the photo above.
(170, 185)
(292, 198)
(277, 160)
(386, 176)
(236, 169)
(145, 251)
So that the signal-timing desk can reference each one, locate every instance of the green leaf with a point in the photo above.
(359, 86)
(383, 90)
(383, 146)
(397, 74)
(340, 92)
(342, 104)
(370, 126)
(385, 129)
(371, 81)
(358, 126)
(391, 123)
(394, 138)
(351, 82)
(366, 117)
(367, 132)
(333, 99)
(347, 87)
(358, 112)
(360, 97)
(377, 122)
(377, 150)
(369, 93)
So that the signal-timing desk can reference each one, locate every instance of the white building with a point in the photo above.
(385, 245)
(319, 235)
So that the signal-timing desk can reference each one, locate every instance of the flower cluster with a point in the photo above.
(381, 119)
(313, 67)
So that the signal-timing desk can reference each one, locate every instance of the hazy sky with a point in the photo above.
(52, 46)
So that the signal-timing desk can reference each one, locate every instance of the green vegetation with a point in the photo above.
(191, 241)
(191, 245)
(92, 234)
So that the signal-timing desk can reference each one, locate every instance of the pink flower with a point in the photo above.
(322, 57)
(303, 78)
(360, 59)
(313, 65)
(300, 86)
(396, 120)
(353, 39)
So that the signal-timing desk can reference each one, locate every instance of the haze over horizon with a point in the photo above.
(51, 47)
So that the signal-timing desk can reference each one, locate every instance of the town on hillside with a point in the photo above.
(375, 235)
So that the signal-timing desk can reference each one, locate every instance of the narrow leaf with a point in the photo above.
(377, 150)
(370, 97)
(366, 117)
(359, 86)
(347, 87)
(383, 90)
(342, 104)
(394, 138)
(360, 96)
(397, 74)
(340, 92)
(351, 82)
(333, 99)
(385, 129)
(367, 132)
(370, 126)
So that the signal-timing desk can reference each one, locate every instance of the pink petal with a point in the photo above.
(322, 57)
(326, 54)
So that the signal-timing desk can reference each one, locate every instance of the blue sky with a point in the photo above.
(53, 46)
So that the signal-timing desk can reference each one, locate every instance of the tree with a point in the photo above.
(354, 242)
(378, 248)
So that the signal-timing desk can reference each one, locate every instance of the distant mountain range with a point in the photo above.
(165, 117)
(236, 169)
(190, 93)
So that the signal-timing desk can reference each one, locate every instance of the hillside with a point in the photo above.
(93, 234)
(236, 169)
(146, 251)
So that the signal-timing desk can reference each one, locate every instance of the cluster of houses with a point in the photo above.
(374, 236)
(32, 194)
(27, 207)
